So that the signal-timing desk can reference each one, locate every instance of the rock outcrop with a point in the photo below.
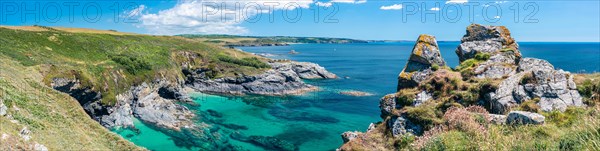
(283, 79)
(424, 56)
(152, 103)
(486, 39)
(145, 103)
(537, 80)
(492, 74)
(493, 41)
(401, 126)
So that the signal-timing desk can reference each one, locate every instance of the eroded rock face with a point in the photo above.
(401, 126)
(486, 39)
(425, 54)
(145, 103)
(537, 78)
(387, 104)
(524, 118)
(282, 79)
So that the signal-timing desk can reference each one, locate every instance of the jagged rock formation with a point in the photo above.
(494, 41)
(492, 74)
(282, 79)
(152, 103)
(537, 78)
(486, 39)
(424, 56)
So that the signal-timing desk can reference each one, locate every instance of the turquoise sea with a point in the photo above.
(314, 121)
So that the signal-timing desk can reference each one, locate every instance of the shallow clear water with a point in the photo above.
(314, 121)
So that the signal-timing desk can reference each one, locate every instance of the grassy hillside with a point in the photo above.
(55, 119)
(110, 62)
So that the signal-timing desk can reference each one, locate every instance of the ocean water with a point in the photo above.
(314, 121)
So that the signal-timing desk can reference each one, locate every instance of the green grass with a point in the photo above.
(54, 118)
(111, 63)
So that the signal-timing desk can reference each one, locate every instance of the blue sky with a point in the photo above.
(570, 21)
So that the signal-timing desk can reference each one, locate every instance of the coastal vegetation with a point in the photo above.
(111, 63)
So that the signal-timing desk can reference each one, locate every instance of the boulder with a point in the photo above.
(3, 109)
(497, 119)
(400, 126)
(425, 54)
(524, 118)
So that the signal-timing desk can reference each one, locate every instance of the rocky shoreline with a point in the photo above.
(160, 102)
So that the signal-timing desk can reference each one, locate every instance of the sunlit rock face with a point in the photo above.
(424, 56)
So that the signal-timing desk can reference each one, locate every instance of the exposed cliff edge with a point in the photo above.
(283, 79)
(434, 100)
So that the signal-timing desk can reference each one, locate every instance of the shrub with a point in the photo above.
(590, 91)
(131, 64)
(482, 56)
(435, 67)
(425, 114)
(250, 62)
(530, 105)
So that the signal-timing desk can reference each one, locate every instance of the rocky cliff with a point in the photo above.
(158, 102)
(283, 79)
(492, 78)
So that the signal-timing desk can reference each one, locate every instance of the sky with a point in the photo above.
(539, 21)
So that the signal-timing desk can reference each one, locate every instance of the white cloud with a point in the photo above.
(210, 16)
(392, 7)
(435, 9)
(349, 1)
(500, 2)
(216, 16)
(497, 17)
(456, 1)
(324, 4)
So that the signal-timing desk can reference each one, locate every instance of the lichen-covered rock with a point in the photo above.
(387, 104)
(282, 79)
(524, 118)
(528, 64)
(537, 78)
(401, 126)
(498, 66)
(425, 54)
(486, 39)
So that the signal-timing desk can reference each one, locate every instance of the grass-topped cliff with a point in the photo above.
(110, 62)
(34, 115)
